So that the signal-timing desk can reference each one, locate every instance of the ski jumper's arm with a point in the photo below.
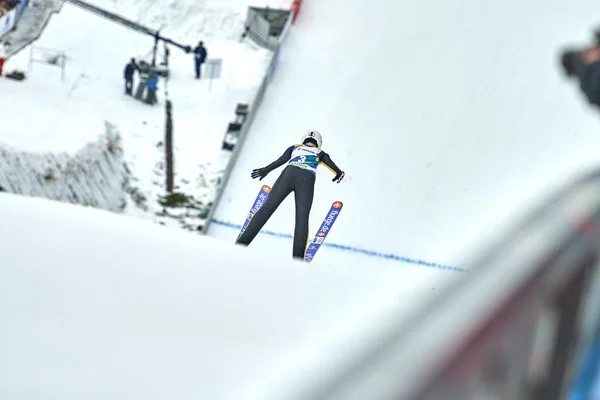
(262, 172)
(328, 162)
(285, 157)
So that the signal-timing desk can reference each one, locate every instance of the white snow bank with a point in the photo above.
(96, 305)
(95, 176)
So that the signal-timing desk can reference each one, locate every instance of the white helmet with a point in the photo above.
(315, 135)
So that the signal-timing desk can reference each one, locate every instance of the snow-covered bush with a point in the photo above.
(188, 211)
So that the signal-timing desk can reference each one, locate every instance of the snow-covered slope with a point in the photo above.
(449, 117)
(96, 305)
(45, 113)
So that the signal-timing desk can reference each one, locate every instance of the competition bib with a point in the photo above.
(306, 157)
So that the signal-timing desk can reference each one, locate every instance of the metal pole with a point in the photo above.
(156, 37)
(169, 148)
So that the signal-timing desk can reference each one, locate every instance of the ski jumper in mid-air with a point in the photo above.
(298, 177)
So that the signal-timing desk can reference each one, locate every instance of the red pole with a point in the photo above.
(296, 9)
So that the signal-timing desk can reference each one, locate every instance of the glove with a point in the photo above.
(338, 177)
(259, 173)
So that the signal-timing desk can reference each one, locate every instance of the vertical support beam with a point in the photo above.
(154, 50)
(169, 148)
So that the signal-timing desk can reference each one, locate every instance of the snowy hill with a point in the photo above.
(449, 118)
(99, 306)
(444, 140)
(47, 113)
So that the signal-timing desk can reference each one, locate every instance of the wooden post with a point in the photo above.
(169, 148)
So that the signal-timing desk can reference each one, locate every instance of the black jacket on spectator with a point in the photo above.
(200, 54)
(130, 70)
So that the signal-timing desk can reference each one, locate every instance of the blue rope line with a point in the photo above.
(371, 253)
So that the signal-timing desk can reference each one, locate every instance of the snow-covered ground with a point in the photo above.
(435, 162)
(96, 305)
(47, 114)
(449, 118)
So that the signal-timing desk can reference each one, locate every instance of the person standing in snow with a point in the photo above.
(298, 177)
(152, 86)
(130, 69)
(144, 69)
(199, 57)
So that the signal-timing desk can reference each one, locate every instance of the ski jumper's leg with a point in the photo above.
(303, 192)
(282, 187)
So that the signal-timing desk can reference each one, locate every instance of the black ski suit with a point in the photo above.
(292, 179)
